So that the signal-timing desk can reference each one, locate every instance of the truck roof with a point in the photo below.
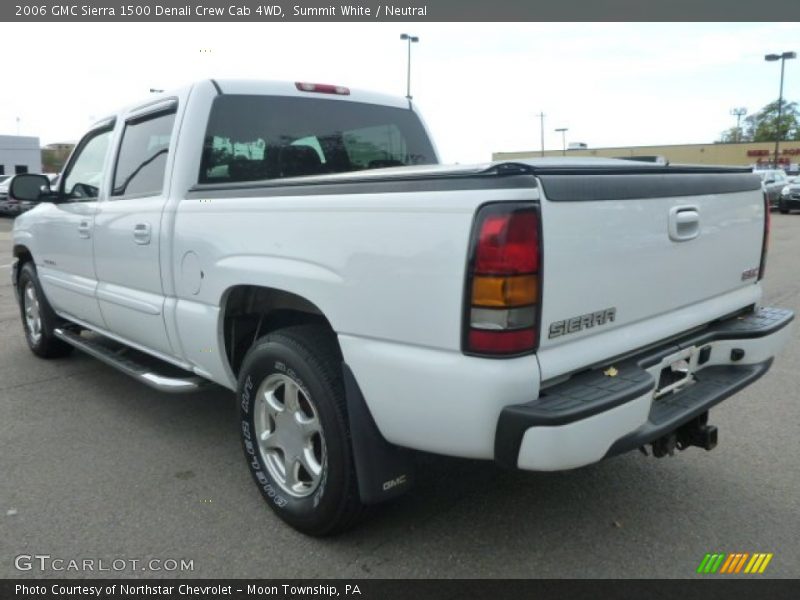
(289, 88)
(265, 88)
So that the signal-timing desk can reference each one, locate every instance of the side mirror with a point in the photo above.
(768, 181)
(29, 187)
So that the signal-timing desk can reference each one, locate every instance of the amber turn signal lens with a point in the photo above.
(519, 290)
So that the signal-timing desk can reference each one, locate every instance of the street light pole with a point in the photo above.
(782, 58)
(410, 39)
(563, 131)
(738, 113)
(541, 129)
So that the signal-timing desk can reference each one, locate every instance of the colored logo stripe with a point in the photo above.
(734, 562)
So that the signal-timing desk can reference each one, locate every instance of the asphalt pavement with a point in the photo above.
(96, 466)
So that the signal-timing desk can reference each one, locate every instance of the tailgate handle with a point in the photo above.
(684, 223)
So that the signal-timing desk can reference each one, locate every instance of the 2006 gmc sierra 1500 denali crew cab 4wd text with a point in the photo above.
(299, 244)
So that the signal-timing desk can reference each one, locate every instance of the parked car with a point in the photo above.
(5, 180)
(53, 177)
(8, 207)
(790, 196)
(772, 182)
(271, 244)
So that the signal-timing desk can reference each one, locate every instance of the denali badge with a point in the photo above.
(601, 317)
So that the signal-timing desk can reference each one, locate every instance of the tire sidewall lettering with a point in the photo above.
(264, 481)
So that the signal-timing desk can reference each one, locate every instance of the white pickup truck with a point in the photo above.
(298, 243)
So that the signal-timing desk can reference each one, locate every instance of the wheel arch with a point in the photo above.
(248, 312)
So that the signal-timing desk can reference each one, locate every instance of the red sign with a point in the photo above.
(785, 151)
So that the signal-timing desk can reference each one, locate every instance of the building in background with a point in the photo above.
(19, 154)
(55, 155)
(759, 154)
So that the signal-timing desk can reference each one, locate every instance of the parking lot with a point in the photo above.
(95, 465)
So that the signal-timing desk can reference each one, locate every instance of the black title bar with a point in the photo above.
(401, 11)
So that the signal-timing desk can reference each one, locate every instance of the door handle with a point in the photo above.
(684, 223)
(85, 229)
(141, 233)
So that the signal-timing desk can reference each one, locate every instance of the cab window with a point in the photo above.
(142, 158)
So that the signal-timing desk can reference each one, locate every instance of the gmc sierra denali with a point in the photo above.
(298, 243)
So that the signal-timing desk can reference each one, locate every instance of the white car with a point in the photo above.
(298, 244)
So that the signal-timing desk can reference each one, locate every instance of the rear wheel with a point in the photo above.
(38, 318)
(295, 431)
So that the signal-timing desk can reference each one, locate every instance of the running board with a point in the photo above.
(140, 372)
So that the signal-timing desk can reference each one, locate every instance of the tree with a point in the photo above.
(762, 126)
(733, 135)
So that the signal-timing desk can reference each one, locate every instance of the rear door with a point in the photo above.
(128, 229)
(631, 259)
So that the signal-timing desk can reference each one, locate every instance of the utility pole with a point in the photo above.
(738, 113)
(541, 129)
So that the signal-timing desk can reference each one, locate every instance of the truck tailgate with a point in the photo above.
(633, 258)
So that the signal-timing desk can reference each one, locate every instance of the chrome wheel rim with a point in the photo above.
(289, 435)
(33, 315)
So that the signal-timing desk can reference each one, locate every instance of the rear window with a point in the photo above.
(269, 137)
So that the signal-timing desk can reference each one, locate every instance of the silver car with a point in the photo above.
(790, 196)
(772, 182)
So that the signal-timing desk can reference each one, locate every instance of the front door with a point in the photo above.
(64, 232)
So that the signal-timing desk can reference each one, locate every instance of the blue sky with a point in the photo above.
(478, 85)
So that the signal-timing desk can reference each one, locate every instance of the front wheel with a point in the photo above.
(295, 431)
(38, 318)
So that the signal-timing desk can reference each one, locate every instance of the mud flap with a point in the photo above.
(384, 470)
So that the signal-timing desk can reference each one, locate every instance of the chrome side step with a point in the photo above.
(140, 372)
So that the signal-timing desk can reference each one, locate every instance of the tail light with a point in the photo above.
(765, 241)
(503, 287)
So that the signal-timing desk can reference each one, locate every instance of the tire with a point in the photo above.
(38, 318)
(295, 432)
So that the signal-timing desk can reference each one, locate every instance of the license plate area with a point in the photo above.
(676, 372)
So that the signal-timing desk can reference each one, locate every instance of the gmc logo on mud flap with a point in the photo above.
(393, 483)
